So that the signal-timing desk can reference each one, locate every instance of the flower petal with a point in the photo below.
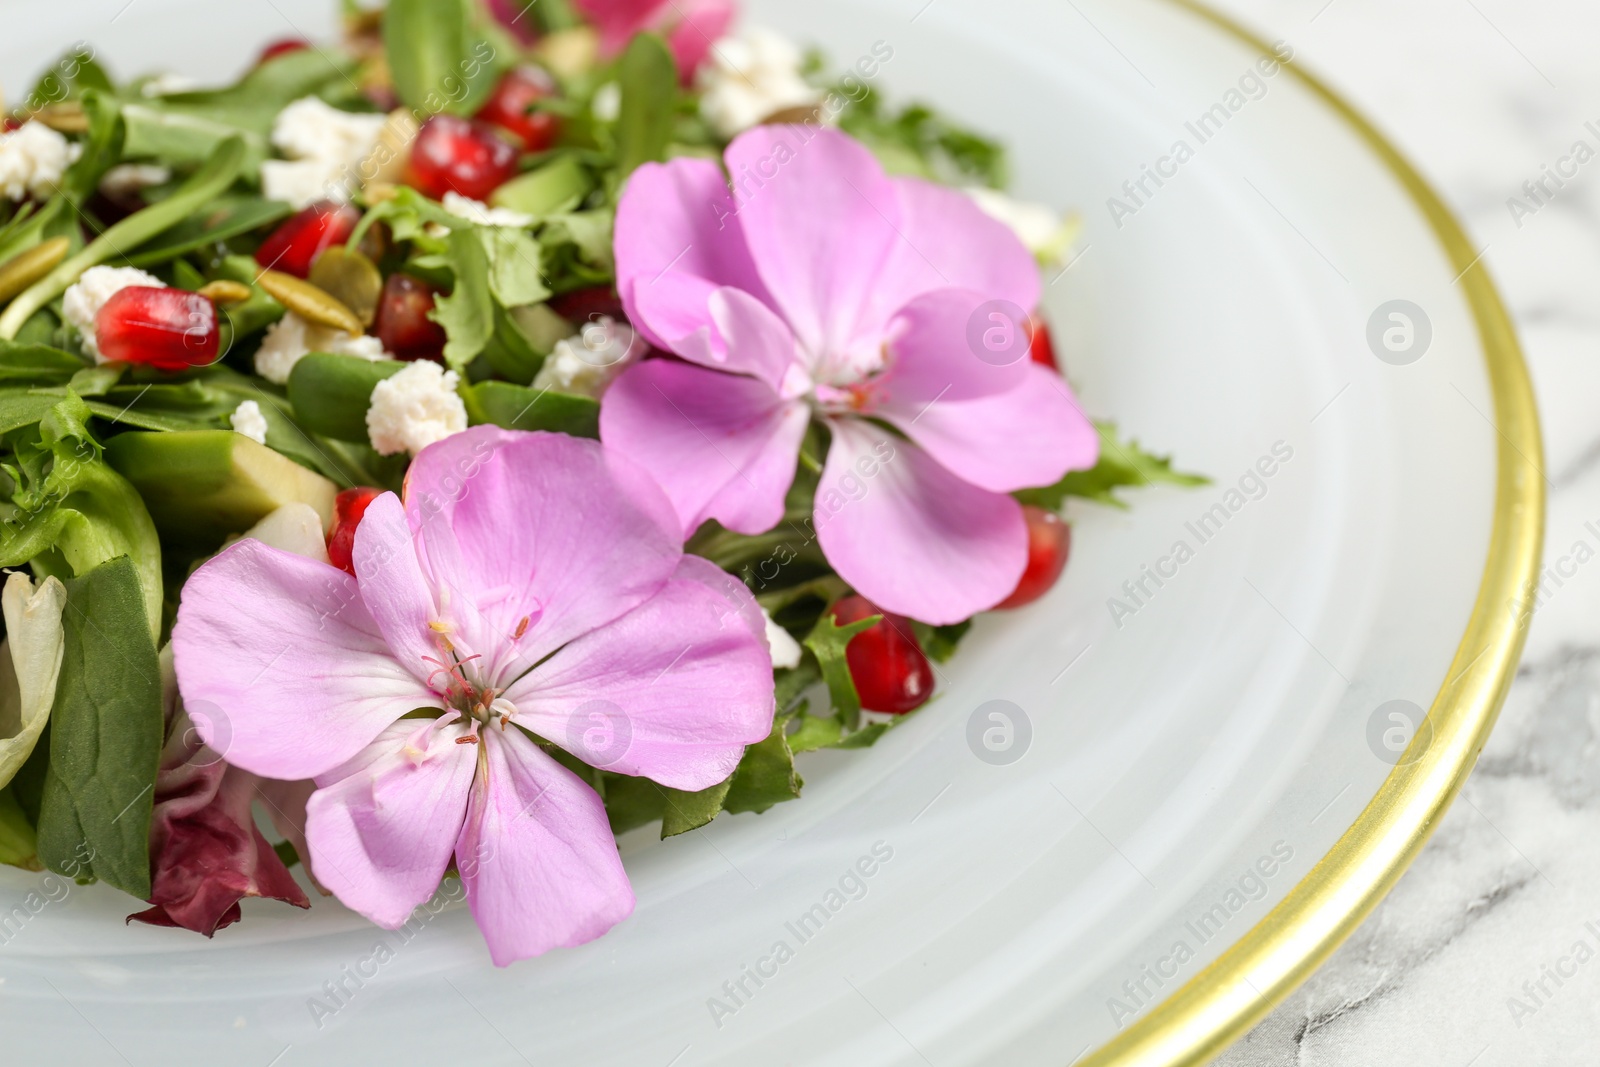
(286, 654)
(393, 586)
(951, 243)
(749, 338)
(722, 446)
(536, 527)
(672, 691)
(678, 240)
(822, 222)
(909, 535)
(1028, 437)
(934, 356)
(537, 856)
(381, 828)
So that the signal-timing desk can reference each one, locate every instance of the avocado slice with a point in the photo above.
(203, 485)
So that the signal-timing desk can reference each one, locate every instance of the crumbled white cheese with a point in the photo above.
(784, 648)
(587, 364)
(168, 84)
(464, 207)
(293, 528)
(291, 338)
(1042, 230)
(248, 420)
(33, 160)
(415, 408)
(127, 179)
(82, 301)
(751, 76)
(326, 148)
(607, 102)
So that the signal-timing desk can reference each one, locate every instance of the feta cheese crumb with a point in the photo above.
(750, 76)
(291, 339)
(784, 648)
(82, 301)
(168, 84)
(33, 160)
(1041, 229)
(326, 148)
(127, 179)
(587, 363)
(247, 419)
(464, 207)
(415, 408)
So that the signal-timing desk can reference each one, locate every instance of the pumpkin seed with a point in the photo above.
(68, 117)
(223, 291)
(25, 268)
(350, 278)
(309, 302)
(386, 163)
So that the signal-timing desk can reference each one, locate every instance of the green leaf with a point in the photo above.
(648, 76)
(467, 314)
(815, 733)
(690, 811)
(106, 735)
(766, 775)
(101, 147)
(518, 407)
(436, 59)
(553, 189)
(1122, 464)
(632, 802)
(203, 187)
(36, 364)
(939, 642)
(225, 218)
(578, 249)
(19, 844)
(331, 393)
(827, 642)
(514, 275)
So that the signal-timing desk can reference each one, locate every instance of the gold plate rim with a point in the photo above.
(1221, 1003)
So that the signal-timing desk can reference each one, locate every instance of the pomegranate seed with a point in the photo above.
(403, 324)
(348, 509)
(169, 329)
(1049, 544)
(283, 48)
(510, 108)
(887, 664)
(1042, 350)
(297, 242)
(456, 155)
(11, 124)
(589, 305)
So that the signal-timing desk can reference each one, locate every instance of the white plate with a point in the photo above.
(1189, 762)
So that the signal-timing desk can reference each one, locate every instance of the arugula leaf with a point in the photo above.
(918, 141)
(648, 76)
(100, 149)
(204, 186)
(577, 249)
(690, 811)
(106, 736)
(766, 775)
(939, 642)
(631, 802)
(467, 314)
(437, 60)
(226, 218)
(68, 502)
(815, 733)
(514, 275)
(1122, 464)
(827, 642)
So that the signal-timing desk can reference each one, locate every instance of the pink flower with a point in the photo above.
(528, 583)
(691, 27)
(821, 288)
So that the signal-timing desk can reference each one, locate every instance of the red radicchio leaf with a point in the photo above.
(205, 851)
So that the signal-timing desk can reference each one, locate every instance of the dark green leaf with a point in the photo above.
(225, 218)
(648, 76)
(36, 364)
(690, 811)
(19, 845)
(518, 407)
(815, 733)
(766, 776)
(1122, 464)
(105, 741)
(632, 802)
(827, 642)
(939, 642)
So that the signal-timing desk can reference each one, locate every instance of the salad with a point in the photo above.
(493, 432)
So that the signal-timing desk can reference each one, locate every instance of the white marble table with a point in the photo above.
(1488, 952)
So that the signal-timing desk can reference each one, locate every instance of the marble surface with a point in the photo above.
(1488, 952)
